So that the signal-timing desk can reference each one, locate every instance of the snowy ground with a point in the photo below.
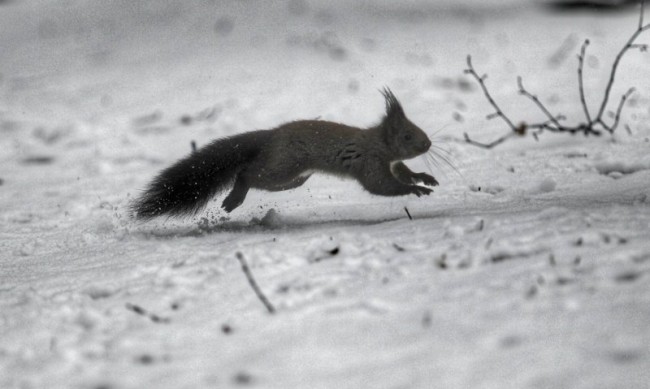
(528, 268)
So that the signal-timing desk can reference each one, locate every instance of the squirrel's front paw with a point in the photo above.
(426, 179)
(420, 190)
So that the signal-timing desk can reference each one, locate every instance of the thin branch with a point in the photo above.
(552, 124)
(547, 125)
(641, 46)
(498, 113)
(617, 117)
(253, 284)
(641, 27)
(612, 75)
(593, 125)
(491, 144)
(481, 81)
(581, 61)
(143, 312)
(541, 106)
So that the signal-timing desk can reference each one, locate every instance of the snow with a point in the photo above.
(526, 268)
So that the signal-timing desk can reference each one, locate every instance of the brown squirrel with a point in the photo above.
(285, 157)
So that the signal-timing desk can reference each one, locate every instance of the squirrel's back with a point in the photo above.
(315, 144)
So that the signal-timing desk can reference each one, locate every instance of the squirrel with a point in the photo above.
(285, 157)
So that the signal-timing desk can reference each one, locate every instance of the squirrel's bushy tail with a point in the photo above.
(186, 187)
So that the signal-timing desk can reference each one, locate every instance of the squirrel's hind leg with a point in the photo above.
(237, 195)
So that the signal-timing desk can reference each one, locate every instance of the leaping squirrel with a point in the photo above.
(285, 157)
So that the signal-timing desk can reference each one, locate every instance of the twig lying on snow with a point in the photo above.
(143, 312)
(253, 284)
(408, 213)
(592, 126)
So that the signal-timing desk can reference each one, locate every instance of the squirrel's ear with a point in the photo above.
(393, 107)
(394, 111)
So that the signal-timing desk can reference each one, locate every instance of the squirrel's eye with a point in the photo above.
(407, 137)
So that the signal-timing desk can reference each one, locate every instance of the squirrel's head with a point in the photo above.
(404, 139)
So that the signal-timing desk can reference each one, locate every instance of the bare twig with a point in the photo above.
(481, 81)
(641, 16)
(490, 145)
(552, 119)
(253, 284)
(624, 98)
(625, 48)
(592, 126)
(143, 312)
(516, 130)
(581, 62)
(408, 213)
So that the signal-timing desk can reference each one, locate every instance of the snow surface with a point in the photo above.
(529, 267)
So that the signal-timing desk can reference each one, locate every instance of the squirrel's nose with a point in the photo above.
(426, 144)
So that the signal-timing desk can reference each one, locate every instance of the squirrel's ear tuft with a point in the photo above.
(394, 111)
(393, 107)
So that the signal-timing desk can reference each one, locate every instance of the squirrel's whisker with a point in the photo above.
(433, 161)
(427, 163)
(436, 132)
(441, 150)
(438, 157)
(442, 153)
(445, 158)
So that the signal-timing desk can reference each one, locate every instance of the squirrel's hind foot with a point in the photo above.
(236, 196)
